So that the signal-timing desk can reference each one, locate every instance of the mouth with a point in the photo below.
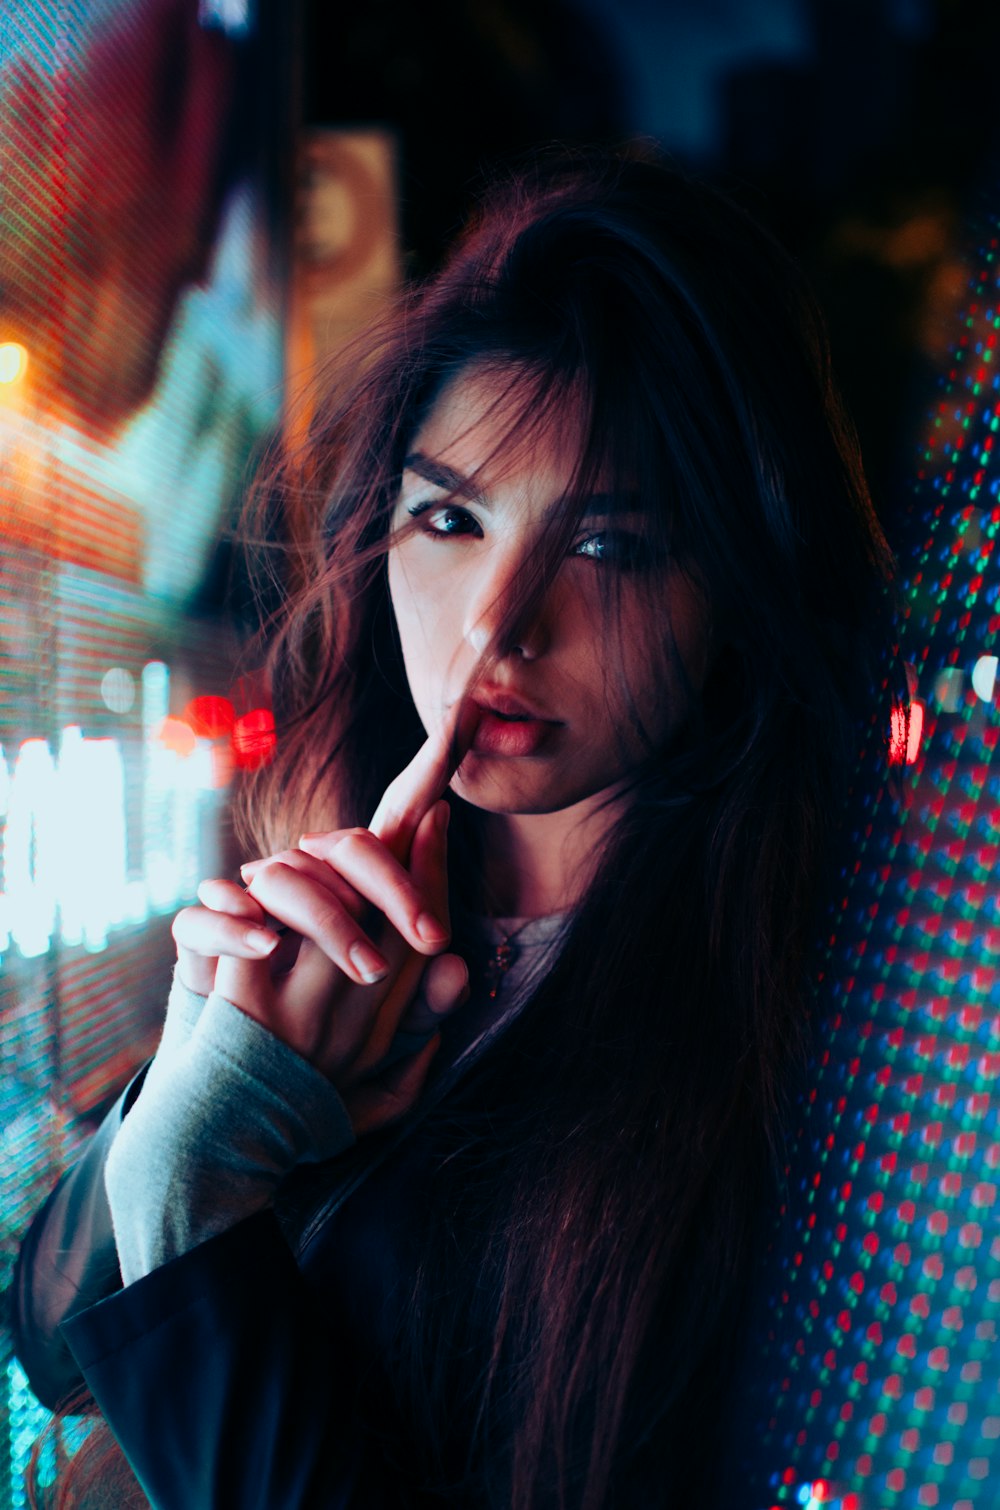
(507, 727)
(510, 709)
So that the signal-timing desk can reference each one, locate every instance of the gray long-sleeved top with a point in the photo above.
(228, 1110)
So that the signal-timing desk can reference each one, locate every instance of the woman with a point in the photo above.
(448, 1192)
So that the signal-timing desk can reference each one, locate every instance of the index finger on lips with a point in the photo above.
(410, 796)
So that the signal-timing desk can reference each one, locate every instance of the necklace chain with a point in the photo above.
(500, 961)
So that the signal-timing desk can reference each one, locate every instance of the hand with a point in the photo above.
(330, 990)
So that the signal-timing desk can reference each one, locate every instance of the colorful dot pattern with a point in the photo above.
(878, 1365)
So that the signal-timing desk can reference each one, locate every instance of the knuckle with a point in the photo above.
(348, 838)
(182, 921)
(269, 862)
(272, 868)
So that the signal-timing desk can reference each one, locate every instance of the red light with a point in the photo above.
(254, 739)
(916, 730)
(211, 717)
(897, 735)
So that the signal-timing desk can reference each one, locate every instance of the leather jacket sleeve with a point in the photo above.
(67, 1261)
(224, 1385)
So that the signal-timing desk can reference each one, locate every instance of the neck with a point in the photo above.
(541, 863)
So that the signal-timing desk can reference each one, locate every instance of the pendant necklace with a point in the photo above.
(503, 956)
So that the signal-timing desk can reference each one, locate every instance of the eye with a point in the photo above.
(444, 520)
(617, 548)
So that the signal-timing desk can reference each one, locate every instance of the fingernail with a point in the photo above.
(368, 962)
(430, 929)
(260, 940)
(249, 868)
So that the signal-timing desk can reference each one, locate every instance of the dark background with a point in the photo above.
(861, 131)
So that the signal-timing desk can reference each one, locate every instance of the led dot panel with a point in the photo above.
(876, 1382)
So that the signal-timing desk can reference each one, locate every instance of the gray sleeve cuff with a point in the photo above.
(231, 1112)
(183, 1010)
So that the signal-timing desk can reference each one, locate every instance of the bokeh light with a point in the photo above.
(13, 361)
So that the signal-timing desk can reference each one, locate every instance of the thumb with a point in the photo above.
(445, 986)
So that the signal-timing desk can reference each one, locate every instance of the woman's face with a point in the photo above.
(479, 502)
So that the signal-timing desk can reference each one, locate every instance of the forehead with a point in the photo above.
(500, 427)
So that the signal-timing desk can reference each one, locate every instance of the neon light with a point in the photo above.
(118, 689)
(30, 849)
(916, 730)
(897, 736)
(210, 717)
(230, 16)
(948, 688)
(13, 361)
(254, 738)
(176, 735)
(984, 676)
(65, 842)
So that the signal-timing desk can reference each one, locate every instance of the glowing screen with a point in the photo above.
(876, 1377)
(140, 365)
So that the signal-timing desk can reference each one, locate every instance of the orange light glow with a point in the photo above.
(916, 730)
(174, 734)
(13, 361)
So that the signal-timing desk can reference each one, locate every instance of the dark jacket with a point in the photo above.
(242, 1373)
(256, 1371)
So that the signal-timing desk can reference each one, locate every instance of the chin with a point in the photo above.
(517, 793)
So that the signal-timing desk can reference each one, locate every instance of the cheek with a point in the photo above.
(663, 664)
(405, 597)
(418, 612)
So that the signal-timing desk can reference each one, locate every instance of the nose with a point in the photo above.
(488, 602)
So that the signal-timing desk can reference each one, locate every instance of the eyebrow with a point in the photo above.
(442, 476)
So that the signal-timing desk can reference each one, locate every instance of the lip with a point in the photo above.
(498, 736)
(495, 700)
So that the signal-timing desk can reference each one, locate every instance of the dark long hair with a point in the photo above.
(621, 1138)
(611, 1154)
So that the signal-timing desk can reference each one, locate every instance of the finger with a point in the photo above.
(429, 860)
(200, 930)
(297, 859)
(203, 935)
(385, 1100)
(385, 1024)
(247, 984)
(374, 872)
(445, 987)
(313, 911)
(226, 896)
(419, 785)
